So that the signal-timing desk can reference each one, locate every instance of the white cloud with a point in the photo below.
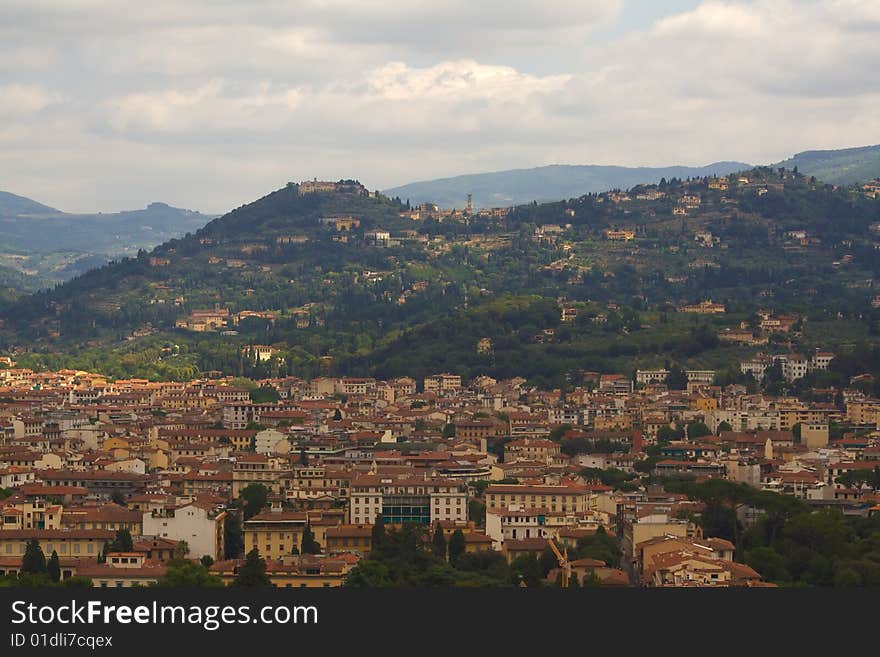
(458, 80)
(218, 101)
(24, 99)
(211, 107)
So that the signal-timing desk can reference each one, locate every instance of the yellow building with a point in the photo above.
(305, 571)
(31, 514)
(616, 422)
(275, 533)
(122, 570)
(349, 538)
(550, 497)
(108, 516)
(66, 542)
(706, 403)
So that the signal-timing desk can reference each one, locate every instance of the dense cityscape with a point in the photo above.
(627, 481)
(431, 296)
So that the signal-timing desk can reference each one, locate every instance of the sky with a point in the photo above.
(209, 104)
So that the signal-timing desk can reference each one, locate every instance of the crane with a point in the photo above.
(562, 558)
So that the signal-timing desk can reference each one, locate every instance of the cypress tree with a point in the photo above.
(34, 561)
(456, 546)
(253, 571)
(53, 568)
(439, 542)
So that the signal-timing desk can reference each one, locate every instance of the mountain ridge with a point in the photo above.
(20, 205)
(563, 181)
(55, 246)
(546, 183)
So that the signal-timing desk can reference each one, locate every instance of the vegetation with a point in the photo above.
(254, 497)
(189, 574)
(252, 572)
(422, 303)
(409, 557)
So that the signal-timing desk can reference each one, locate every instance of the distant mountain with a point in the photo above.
(12, 204)
(111, 234)
(839, 167)
(549, 183)
(38, 240)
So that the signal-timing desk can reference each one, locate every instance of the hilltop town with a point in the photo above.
(627, 481)
(334, 279)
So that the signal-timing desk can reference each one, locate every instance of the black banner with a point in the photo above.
(45, 621)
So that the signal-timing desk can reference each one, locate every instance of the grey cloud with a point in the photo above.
(208, 104)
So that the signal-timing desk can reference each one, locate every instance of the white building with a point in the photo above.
(400, 500)
(645, 377)
(515, 523)
(271, 442)
(197, 524)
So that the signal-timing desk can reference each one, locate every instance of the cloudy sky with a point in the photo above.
(208, 104)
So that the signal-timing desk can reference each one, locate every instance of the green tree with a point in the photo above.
(78, 582)
(599, 546)
(53, 568)
(368, 574)
(548, 561)
(477, 512)
(33, 561)
(697, 429)
(188, 574)
(253, 571)
(457, 546)
(264, 394)
(526, 568)
(439, 543)
(255, 497)
(233, 541)
(769, 563)
(181, 550)
(123, 541)
(207, 560)
(676, 379)
(377, 535)
(308, 544)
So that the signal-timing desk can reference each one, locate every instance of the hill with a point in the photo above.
(14, 284)
(548, 183)
(41, 241)
(12, 204)
(840, 167)
(339, 280)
